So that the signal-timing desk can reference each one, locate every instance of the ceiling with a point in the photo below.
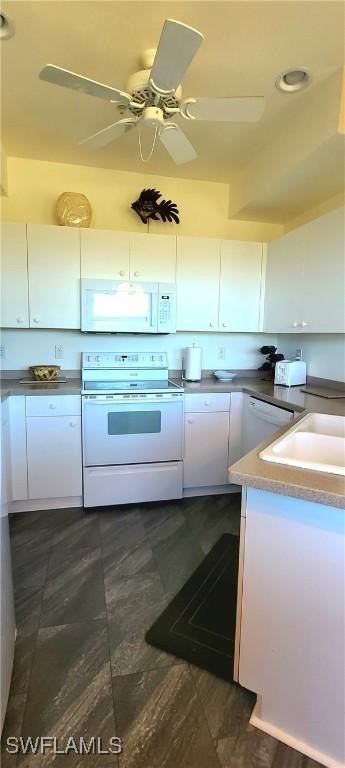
(247, 44)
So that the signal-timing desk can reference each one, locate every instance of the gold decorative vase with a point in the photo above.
(73, 210)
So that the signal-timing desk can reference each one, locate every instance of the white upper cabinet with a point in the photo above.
(104, 254)
(197, 279)
(324, 277)
(14, 276)
(240, 286)
(305, 277)
(152, 257)
(284, 283)
(54, 276)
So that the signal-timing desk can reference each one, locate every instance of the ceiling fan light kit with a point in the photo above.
(154, 96)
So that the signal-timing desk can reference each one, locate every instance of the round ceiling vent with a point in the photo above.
(293, 80)
(7, 28)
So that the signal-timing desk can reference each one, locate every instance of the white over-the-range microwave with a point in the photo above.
(114, 306)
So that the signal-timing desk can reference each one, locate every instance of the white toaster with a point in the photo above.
(290, 373)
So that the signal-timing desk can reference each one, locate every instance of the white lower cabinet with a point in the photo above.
(54, 456)
(206, 440)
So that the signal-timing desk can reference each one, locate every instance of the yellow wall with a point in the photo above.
(34, 187)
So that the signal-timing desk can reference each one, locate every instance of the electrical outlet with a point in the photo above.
(2, 351)
(221, 353)
(59, 352)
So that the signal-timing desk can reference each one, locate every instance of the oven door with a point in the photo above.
(131, 432)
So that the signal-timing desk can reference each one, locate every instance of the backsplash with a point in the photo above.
(28, 347)
(324, 353)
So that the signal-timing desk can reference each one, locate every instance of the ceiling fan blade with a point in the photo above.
(177, 47)
(109, 134)
(246, 109)
(59, 76)
(177, 144)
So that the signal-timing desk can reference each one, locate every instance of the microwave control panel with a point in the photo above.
(166, 308)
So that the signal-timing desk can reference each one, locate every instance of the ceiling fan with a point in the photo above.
(154, 95)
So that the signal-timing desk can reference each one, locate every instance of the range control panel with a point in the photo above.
(123, 360)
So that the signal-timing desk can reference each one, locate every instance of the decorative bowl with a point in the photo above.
(224, 375)
(44, 372)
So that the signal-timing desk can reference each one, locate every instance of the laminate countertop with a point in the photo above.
(12, 387)
(250, 470)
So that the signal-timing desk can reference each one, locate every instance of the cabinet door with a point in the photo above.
(197, 280)
(240, 286)
(152, 257)
(17, 449)
(324, 275)
(54, 456)
(14, 276)
(104, 254)
(206, 449)
(284, 283)
(54, 276)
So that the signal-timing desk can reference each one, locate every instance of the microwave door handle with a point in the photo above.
(154, 311)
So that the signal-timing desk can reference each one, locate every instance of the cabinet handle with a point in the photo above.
(190, 421)
(36, 320)
(224, 325)
(19, 319)
(303, 324)
(52, 406)
(136, 274)
(211, 325)
(207, 402)
(295, 324)
(73, 423)
(122, 273)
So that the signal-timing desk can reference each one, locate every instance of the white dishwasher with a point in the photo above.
(261, 420)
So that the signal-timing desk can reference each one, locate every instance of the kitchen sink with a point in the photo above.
(316, 442)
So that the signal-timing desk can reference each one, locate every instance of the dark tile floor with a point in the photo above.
(87, 586)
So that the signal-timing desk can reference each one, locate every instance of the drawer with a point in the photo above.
(54, 405)
(208, 401)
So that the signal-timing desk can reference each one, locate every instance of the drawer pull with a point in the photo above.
(190, 421)
(19, 319)
(136, 274)
(73, 423)
(36, 320)
(122, 272)
(52, 406)
(211, 325)
(207, 402)
(224, 325)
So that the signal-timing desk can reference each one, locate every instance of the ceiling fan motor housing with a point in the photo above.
(138, 86)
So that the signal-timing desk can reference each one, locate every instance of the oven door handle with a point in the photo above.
(139, 401)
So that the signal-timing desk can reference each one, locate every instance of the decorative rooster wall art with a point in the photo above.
(147, 207)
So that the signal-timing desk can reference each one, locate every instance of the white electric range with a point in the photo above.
(132, 417)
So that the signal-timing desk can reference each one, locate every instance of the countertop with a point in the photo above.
(250, 470)
(10, 387)
(292, 398)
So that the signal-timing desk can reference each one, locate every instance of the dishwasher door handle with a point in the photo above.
(272, 418)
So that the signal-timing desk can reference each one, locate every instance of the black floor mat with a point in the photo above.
(199, 624)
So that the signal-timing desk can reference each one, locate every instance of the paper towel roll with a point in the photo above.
(192, 363)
